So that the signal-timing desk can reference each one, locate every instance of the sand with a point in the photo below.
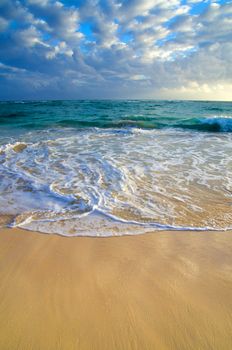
(165, 290)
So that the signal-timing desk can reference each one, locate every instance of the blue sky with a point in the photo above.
(116, 49)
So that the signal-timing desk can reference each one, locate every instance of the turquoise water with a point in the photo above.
(192, 115)
(116, 167)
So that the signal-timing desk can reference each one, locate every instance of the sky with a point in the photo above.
(113, 49)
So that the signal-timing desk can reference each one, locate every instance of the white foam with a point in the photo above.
(143, 179)
(98, 224)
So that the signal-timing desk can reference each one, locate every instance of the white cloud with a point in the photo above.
(194, 90)
(146, 48)
(29, 37)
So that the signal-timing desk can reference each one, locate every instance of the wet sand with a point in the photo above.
(165, 290)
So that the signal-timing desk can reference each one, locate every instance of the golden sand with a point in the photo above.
(166, 290)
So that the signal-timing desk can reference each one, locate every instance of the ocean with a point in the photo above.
(106, 168)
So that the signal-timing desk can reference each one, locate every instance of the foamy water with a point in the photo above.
(113, 181)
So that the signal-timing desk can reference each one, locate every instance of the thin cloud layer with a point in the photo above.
(115, 49)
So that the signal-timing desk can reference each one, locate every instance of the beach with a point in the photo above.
(162, 290)
(115, 175)
(115, 225)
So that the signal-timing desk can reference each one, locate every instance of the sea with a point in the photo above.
(115, 167)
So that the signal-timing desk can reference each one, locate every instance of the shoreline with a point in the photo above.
(161, 290)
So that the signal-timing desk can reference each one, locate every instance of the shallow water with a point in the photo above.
(116, 167)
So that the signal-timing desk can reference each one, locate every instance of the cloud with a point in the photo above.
(3, 24)
(115, 49)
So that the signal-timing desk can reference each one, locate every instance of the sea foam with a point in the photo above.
(104, 182)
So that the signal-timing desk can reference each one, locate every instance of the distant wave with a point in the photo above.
(206, 124)
(210, 124)
(121, 115)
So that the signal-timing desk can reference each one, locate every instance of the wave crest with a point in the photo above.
(218, 123)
